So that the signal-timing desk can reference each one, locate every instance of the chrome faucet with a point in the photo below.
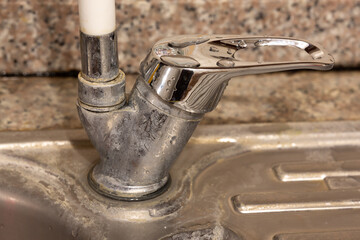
(138, 137)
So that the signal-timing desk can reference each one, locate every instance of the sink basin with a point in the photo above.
(257, 181)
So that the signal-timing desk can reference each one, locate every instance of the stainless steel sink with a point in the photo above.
(259, 181)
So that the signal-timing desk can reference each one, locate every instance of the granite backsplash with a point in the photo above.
(42, 36)
(29, 103)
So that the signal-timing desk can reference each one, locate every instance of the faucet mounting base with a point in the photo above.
(126, 193)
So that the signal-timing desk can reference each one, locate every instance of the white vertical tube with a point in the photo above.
(97, 17)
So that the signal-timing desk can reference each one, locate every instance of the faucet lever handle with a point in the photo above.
(240, 53)
(191, 72)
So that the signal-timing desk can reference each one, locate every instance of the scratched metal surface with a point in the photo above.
(255, 181)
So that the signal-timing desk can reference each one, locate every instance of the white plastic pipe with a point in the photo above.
(97, 17)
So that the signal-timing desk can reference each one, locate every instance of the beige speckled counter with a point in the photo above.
(42, 36)
(42, 103)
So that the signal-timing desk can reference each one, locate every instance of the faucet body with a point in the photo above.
(137, 143)
(138, 137)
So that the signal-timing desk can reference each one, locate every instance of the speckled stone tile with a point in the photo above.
(43, 103)
(42, 36)
(38, 103)
(290, 97)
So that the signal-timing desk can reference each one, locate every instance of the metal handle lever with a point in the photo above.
(192, 72)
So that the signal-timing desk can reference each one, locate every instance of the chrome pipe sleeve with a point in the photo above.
(99, 57)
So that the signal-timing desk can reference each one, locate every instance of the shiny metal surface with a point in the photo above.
(224, 186)
(99, 57)
(191, 72)
(181, 79)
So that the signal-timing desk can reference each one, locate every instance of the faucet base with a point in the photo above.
(136, 143)
(104, 186)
